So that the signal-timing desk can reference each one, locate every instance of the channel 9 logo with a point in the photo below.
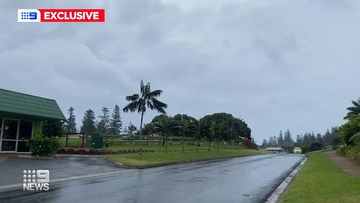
(28, 15)
(36, 180)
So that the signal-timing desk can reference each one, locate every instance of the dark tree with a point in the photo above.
(103, 125)
(115, 121)
(353, 110)
(264, 144)
(70, 126)
(280, 139)
(53, 128)
(226, 127)
(88, 122)
(144, 100)
(131, 128)
(166, 126)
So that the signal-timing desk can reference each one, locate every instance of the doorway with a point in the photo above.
(14, 135)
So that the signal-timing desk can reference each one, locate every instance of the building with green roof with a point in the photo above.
(22, 116)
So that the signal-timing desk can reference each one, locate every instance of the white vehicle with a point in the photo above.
(297, 150)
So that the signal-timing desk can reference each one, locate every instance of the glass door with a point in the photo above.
(9, 135)
(25, 131)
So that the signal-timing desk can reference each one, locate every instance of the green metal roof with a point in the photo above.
(23, 104)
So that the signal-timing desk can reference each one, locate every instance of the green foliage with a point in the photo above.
(115, 121)
(226, 127)
(88, 122)
(305, 148)
(355, 138)
(353, 153)
(53, 128)
(166, 126)
(353, 110)
(148, 129)
(131, 128)
(146, 99)
(70, 126)
(103, 125)
(283, 140)
(188, 125)
(43, 146)
(350, 128)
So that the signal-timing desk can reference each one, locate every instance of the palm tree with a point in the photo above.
(146, 99)
(355, 138)
(188, 127)
(204, 131)
(166, 127)
(353, 110)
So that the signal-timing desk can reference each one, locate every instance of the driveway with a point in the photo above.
(11, 168)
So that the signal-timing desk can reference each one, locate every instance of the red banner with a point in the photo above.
(72, 15)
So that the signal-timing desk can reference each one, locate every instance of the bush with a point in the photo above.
(353, 153)
(43, 146)
(342, 149)
(305, 148)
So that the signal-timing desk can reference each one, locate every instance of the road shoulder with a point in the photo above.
(345, 164)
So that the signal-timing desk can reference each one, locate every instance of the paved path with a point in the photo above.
(11, 169)
(3, 159)
(245, 179)
(345, 164)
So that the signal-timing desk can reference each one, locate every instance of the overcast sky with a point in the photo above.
(279, 64)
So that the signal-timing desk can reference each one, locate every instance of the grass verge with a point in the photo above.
(321, 180)
(162, 158)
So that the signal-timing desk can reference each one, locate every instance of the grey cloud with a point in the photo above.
(277, 64)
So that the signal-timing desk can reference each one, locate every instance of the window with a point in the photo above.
(10, 129)
(25, 130)
(8, 145)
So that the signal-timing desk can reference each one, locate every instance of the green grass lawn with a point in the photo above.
(159, 148)
(72, 142)
(321, 180)
(162, 158)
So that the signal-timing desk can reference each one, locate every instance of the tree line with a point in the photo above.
(109, 124)
(346, 138)
(217, 127)
(307, 141)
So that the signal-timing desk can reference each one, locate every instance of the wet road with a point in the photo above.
(247, 179)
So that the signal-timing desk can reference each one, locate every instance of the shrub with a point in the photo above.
(43, 146)
(342, 149)
(353, 153)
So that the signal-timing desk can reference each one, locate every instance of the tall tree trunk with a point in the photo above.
(197, 145)
(141, 123)
(166, 146)
(182, 133)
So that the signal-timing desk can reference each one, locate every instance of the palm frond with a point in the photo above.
(132, 106)
(133, 97)
(150, 105)
(142, 87)
(355, 138)
(159, 106)
(356, 103)
(155, 93)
